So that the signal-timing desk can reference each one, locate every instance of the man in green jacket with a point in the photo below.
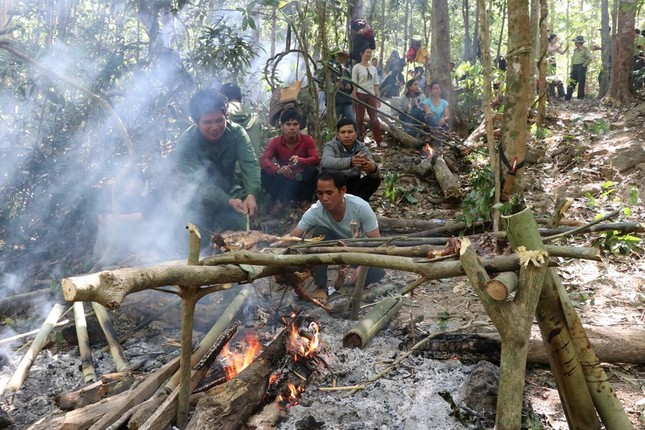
(217, 170)
(579, 63)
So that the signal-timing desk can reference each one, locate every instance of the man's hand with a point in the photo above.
(359, 160)
(284, 171)
(238, 206)
(250, 205)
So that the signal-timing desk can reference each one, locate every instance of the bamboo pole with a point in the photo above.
(31, 333)
(502, 285)
(611, 412)
(378, 318)
(116, 350)
(565, 365)
(89, 373)
(22, 371)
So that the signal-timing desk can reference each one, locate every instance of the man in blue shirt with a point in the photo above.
(338, 215)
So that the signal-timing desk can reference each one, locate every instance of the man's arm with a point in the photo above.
(266, 162)
(331, 160)
(296, 232)
(373, 234)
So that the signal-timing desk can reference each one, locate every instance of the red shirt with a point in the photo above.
(277, 149)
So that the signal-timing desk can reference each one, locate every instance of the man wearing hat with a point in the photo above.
(579, 63)
(342, 80)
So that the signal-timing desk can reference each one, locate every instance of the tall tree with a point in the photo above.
(605, 35)
(440, 56)
(519, 90)
(622, 66)
(465, 14)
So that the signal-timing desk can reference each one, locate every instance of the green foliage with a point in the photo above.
(390, 180)
(478, 204)
(395, 193)
(619, 244)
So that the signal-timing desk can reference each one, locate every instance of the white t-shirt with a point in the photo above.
(356, 209)
(365, 80)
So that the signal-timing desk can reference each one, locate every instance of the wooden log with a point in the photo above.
(127, 281)
(407, 225)
(253, 265)
(229, 405)
(401, 136)
(447, 181)
(108, 385)
(140, 394)
(502, 285)
(23, 297)
(378, 318)
(165, 413)
(611, 345)
(22, 371)
(83, 418)
(116, 350)
(89, 373)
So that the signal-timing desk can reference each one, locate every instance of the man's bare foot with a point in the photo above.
(321, 295)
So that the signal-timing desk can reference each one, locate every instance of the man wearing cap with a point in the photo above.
(342, 80)
(579, 63)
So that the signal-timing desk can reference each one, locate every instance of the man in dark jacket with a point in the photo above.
(217, 172)
(347, 155)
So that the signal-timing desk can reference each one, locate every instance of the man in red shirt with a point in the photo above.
(290, 164)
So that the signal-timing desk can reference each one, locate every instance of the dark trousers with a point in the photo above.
(578, 76)
(374, 274)
(413, 121)
(371, 102)
(363, 187)
(298, 189)
(556, 85)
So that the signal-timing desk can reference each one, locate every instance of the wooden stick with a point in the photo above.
(22, 371)
(89, 373)
(10, 339)
(585, 227)
(357, 297)
(16, 298)
(116, 350)
(502, 285)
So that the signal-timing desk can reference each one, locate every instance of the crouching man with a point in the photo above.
(336, 215)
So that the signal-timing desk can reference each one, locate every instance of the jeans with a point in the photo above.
(346, 110)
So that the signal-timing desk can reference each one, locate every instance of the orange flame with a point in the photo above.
(301, 346)
(428, 150)
(291, 399)
(238, 361)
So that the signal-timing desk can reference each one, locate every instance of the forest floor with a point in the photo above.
(592, 154)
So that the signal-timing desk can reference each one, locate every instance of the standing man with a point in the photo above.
(338, 215)
(579, 63)
(290, 164)
(342, 80)
(205, 160)
(346, 155)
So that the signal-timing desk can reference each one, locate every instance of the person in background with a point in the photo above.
(290, 164)
(639, 59)
(338, 215)
(553, 81)
(342, 81)
(347, 156)
(216, 174)
(579, 62)
(379, 69)
(366, 90)
(241, 115)
(411, 104)
(437, 111)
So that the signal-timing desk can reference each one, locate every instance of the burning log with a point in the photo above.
(22, 371)
(89, 374)
(228, 406)
(146, 409)
(378, 318)
(165, 413)
(116, 350)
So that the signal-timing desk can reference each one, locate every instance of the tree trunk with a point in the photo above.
(519, 89)
(622, 77)
(605, 37)
(440, 56)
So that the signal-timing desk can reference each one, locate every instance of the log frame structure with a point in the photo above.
(212, 274)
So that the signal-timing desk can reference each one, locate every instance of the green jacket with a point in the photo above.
(222, 171)
(582, 56)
